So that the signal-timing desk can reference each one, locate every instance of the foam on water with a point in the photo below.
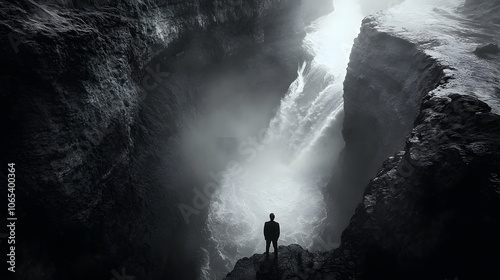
(285, 177)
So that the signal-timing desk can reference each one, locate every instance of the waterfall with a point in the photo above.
(294, 154)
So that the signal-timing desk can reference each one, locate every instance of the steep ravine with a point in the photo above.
(421, 121)
(386, 80)
(96, 94)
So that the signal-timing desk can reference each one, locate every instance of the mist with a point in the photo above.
(256, 159)
(152, 139)
(234, 109)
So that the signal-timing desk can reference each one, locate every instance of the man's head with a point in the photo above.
(271, 216)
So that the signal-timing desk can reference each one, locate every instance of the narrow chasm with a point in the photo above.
(152, 139)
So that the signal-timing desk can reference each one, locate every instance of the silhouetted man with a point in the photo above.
(271, 234)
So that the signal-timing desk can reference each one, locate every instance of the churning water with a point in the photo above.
(293, 161)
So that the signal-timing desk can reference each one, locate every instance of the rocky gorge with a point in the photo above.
(97, 97)
(428, 102)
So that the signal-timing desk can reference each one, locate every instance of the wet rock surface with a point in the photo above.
(484, 51)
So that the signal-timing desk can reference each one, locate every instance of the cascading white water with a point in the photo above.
(288, 174)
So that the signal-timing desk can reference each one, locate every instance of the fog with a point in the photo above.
(231, 113)
(257, 159)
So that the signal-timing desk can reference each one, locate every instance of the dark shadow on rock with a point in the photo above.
(487, 51)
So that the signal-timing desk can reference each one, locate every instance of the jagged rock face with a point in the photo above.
(432, 211)
(95, 94)
(395, 62)
(386, 80)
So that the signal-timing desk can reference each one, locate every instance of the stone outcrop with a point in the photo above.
(293, 263)
(486, 50)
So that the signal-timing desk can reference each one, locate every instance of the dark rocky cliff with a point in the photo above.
(394, 64)
(95, 94)
(386, 81)
(422, 122)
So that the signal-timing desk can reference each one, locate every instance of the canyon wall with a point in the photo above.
(429, 211)
(386, 80)
(422, 131)
(96, 94)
